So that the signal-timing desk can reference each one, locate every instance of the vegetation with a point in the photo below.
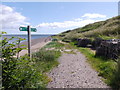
(108, 29)
(23, 72)
(116, 76)
(54, 44)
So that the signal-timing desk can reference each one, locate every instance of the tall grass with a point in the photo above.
(46, 60)
(54, 44)
(109, 28)
(116, 76)
(103, 32)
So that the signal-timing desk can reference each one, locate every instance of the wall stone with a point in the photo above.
(83, 42)
(109, 49)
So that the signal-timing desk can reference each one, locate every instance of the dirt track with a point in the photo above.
(74, 72)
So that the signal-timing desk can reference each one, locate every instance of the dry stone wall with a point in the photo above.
(109, 49)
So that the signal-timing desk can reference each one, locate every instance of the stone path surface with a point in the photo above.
(74, 72)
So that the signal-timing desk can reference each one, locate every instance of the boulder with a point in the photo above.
(96, 43)
(83, 42)
(109, 49)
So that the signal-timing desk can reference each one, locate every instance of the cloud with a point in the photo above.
(11, 19)
(78, 22)
(94, 15)
(66, 24)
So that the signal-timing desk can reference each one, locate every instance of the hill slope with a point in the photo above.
(108, 29)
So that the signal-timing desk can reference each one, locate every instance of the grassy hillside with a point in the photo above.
(108, 29)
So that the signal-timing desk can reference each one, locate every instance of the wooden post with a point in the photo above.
(29, 41)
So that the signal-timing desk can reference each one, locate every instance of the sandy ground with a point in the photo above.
(36, 44)
(74, 72)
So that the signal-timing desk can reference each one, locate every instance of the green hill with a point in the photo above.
(108, 29)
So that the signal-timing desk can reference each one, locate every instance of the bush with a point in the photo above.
(23, 72)
(10, 62)
(43, 55)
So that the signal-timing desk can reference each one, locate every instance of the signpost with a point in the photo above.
(29, 30)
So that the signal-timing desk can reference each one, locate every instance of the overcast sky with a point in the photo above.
(53, 17)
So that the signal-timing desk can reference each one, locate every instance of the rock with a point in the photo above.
(109, 49)
(83, 42)
(96, 43)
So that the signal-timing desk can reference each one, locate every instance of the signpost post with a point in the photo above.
(29, 30)
(29, 41)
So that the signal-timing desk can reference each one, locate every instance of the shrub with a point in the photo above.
(9, 62)
(23, 72)
(43, 55)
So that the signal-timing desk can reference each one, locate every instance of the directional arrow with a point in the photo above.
(25, 29)
(33, 29)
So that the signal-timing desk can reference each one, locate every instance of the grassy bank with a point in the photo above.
(54, 44)
(108, 29)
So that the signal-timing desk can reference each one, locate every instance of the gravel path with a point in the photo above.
(74, 72)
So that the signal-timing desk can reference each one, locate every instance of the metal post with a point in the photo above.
(29, 41)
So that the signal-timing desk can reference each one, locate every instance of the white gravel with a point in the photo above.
(74, 72)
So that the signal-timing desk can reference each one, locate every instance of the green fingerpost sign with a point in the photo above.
(25, 29)
(33, 29)
(29, 30)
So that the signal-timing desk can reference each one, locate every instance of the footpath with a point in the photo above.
(74, 72)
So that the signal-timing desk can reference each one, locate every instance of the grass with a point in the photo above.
(60, 46)
(54, 44)
(70, 52)
(108, 29)
(46, 60)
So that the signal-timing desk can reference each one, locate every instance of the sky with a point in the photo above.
(53, 17)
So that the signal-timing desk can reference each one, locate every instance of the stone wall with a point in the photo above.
(96, 43)
(109, 49)
(83, 42)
